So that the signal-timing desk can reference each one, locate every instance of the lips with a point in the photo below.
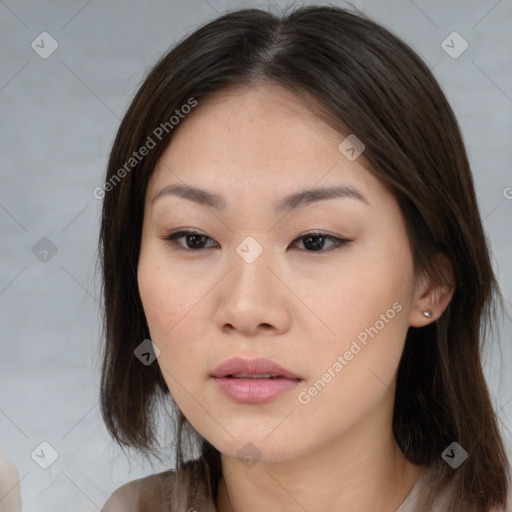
(253, 381)
(237, 367)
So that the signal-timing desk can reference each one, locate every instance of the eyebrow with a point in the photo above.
(288, 203)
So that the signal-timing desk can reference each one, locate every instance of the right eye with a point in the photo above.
(193, 240)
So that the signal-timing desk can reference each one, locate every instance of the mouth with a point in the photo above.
(254, 376)
(253, 381)
(239, 368)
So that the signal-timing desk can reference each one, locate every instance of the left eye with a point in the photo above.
(316, 241)
(313, 242)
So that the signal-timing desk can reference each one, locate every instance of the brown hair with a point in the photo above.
(364, 81)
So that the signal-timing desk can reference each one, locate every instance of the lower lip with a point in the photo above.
(254, 391)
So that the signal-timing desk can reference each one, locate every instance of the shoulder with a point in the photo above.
(155, 492)
(141, 495)
(9, 485)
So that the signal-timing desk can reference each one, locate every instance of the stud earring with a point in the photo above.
(428, 313)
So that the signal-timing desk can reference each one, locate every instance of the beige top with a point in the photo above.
(149, 494)
(10, 495)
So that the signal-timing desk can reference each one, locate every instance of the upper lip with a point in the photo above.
(252, 366)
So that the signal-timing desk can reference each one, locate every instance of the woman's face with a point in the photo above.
(333, 315)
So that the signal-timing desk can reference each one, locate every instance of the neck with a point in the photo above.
(361, 469)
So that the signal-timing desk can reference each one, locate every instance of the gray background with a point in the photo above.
(58, 119)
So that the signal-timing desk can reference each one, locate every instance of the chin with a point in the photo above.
(254, 448)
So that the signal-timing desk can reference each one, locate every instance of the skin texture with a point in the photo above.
(298, 307)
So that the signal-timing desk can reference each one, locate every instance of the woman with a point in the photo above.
(294, 259)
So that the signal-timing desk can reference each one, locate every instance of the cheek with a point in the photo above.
(351, 377)
(167, 318)
(366, 288)
(368, 310)
(163, 292)
(172, 306)
(156, 302)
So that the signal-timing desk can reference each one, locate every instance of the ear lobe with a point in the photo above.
(433, 296)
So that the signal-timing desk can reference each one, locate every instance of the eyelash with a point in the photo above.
(172, 240)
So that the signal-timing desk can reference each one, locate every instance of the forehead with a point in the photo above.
(255, 138)
(262, 121)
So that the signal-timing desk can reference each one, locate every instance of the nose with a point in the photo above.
(252, 299)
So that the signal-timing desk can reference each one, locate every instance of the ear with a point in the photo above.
(433, 296)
